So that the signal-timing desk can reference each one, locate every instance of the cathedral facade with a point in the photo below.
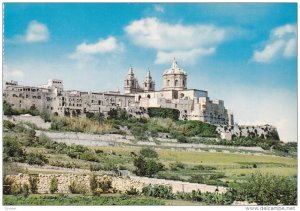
(193, 104)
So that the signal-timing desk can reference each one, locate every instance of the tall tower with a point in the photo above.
(131, 83)
(149, 84)
(174, 78)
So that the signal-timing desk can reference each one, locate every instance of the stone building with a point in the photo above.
(193, 104)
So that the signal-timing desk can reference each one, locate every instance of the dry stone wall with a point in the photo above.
(119, 183)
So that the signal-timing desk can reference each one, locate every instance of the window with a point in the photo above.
(148, 96)
(176, 82)
(168, 82)
(183, 83)
(145, 85)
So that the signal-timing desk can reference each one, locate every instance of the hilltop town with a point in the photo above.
(191, 104)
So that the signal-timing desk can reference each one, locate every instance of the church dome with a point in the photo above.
(174, 69)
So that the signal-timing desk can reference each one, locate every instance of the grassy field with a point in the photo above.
(79, 200)
(233, 165)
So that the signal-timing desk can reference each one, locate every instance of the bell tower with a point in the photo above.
(131, 83)
(149, 84)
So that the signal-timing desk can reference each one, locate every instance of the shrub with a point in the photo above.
(103, 185)
(96, 167)
(182, 139)
(25, 190)
(197, 179)
(148, 153)
(8, 125)
(160, 191)
(99, 151)
(176, 166)
(94, 185)
(33, 111)
(7, 185)
(132, 191)
(8, 110)
(36, 158)
(201, 167)
(46, 116)
(75, 187)
(16, 188)
(267, 190)
(33, 182)
(146, 167)
(138, 131)
(164, 113)
(216, 176)
(53, 185)
(89, 156)
(13, 149)
(207, 198)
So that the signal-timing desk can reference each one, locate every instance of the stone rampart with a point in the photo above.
(119, 183)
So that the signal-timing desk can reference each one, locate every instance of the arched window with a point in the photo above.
(168, 82)
(145, 85)
(140, 97)
(183, 83)
(176, 82)
(148, 96)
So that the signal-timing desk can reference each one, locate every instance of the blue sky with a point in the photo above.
(244, 53)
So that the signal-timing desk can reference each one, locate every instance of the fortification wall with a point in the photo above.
(261, 131)
(119, 183)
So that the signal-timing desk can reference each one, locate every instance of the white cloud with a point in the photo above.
(282, 43)
(36, 32)
(159, 8)
(85, 50)
(170, 39)
(12, 73)
(287, 29)
(290, 48)
(253, 105)
(269, 52)
(187, 56)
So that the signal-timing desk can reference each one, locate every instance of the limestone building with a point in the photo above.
(193, 104)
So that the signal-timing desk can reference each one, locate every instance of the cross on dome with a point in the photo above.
(174, 64)
(130, 71)
(148, 74)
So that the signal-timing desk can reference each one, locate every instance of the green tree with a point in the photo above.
(33, 183)
(53, 185)
(268, 189)
(146, 166)
(8, 110)
(13, 149)
(148, 153)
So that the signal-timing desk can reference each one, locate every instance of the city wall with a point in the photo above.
(119, 183)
